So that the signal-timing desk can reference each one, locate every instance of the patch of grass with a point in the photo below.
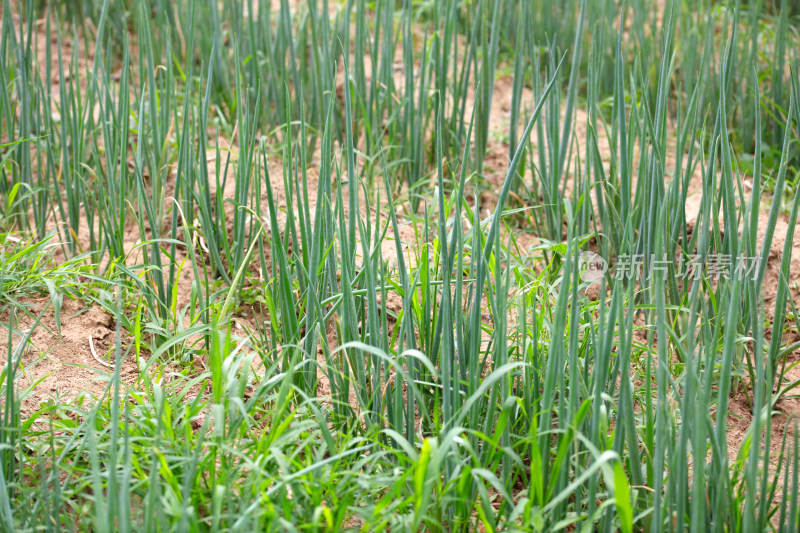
(411, 359)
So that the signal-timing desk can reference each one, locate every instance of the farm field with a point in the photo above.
(364, 265)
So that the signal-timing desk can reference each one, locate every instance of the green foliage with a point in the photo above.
(270, 154)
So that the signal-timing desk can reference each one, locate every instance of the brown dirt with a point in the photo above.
(61, 365)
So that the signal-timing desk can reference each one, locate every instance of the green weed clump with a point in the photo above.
(352, 303)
